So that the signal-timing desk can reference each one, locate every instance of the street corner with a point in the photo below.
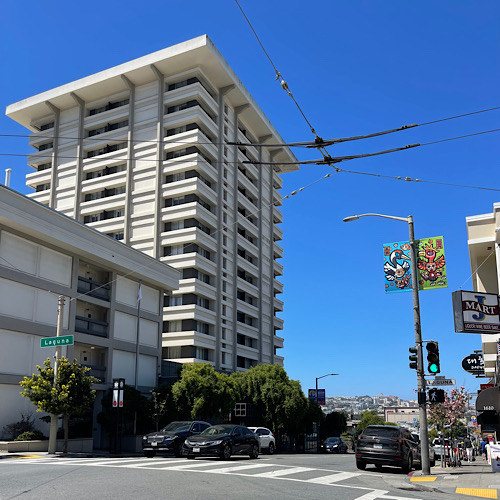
(19, 456)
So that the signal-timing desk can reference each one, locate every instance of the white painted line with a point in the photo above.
(191, 464)
(283, 472)
(148, 463)
(373, 495)
(333, 478)
(225, 470)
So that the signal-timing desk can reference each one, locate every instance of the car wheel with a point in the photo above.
(407, 466)
(360, 465)
(226, 452)
(271, 449)
(178, 450)
(190, 457)
(149, 454)
(255, 451)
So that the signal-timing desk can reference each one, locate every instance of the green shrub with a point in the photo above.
(30, 436)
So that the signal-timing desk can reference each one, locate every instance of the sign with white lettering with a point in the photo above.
(473, 363)
(476, 312)
(57, 341)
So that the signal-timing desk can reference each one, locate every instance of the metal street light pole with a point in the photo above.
(422, 407)
(316, 397)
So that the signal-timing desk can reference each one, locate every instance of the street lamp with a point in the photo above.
(316, 397)
(424, 436)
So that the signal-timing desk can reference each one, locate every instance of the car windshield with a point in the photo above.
(177, 426)
(332, 440)
(382, 432)
(217, 429)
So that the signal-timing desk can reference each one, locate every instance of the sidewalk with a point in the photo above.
(475, 479)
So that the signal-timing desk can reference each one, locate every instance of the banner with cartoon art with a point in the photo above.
(431, 263)
(397, 266)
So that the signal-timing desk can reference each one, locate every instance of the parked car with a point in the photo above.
(334, 445)
(386, 445)
(223, 441)
(171, 438)
(441, 447)
(266, 439)
(432, 452)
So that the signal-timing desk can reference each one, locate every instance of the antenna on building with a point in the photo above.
(8, 171)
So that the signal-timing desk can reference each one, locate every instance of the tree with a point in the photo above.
(334, 425)
(368, 417)
(448, 416)
(69, 395)
(280, 400)
(204, 393)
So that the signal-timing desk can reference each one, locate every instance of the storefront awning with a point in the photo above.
(488, 400)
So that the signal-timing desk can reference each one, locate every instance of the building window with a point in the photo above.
(108, 106)
(47, 126)
(47, 145)
(109, 148)
(107, 128)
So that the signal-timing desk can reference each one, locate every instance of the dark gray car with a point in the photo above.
(172, 437)
(386, 445)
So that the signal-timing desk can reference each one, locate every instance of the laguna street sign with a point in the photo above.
(441, 381)
(57, 341)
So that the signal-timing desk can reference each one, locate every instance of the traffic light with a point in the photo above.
(413, 358)
(433, 357)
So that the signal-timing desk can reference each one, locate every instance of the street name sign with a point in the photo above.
(57, 341)
(441, 381)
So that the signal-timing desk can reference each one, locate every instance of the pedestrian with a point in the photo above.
(468, 448)
(483, 448)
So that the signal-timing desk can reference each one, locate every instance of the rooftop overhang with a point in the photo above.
(32, 219)
(198, 52)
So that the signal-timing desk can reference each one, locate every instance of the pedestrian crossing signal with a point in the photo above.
(433, 357)
(436, 396)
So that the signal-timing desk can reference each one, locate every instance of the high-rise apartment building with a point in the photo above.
(147, 153)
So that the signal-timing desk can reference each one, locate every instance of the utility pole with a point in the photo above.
(422, 400)
(53, 418)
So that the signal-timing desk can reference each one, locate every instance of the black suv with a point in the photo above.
(386, 445)
(171, 438)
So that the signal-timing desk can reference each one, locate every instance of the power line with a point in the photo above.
(304, 144)
(410, 179)
(328, 160)
(285, 87)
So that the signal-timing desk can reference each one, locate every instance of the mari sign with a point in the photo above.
(441, 381)
(57, 341)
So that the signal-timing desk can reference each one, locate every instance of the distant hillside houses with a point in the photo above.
(354, 405)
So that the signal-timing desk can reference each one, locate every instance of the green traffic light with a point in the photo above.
(433, 368)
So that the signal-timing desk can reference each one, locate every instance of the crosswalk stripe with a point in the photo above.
(283, 472)
(373, 495)
(191, 464)
(223, 470)
(333, 478)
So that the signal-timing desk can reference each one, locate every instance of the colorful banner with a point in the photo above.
(431, 263)
(397, 266)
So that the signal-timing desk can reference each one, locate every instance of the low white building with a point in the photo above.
(45, 254)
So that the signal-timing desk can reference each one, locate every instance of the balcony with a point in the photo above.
(99, 372)
(93, 289)
(91, 326)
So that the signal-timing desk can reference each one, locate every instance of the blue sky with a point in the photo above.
(355, 67)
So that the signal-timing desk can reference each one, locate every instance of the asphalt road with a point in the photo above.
(278, 477)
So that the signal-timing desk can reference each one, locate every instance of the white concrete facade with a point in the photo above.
(44, 254)
(140, 152)
(483, 232)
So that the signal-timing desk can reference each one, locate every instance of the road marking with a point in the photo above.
(477, 492)
(333, 478)
(283, 472)
(426, 478)
(225, 470)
